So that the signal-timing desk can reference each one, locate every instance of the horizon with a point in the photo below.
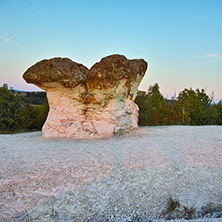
(211, 97)
(180, 40)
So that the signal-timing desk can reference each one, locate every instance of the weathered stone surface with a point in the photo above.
(61, 70)
(93, 103)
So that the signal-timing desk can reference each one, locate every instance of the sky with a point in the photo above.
(180, 39)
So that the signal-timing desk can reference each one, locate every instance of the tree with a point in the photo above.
(195, 107)
(218, 113)
(19, 115)
(10, 110)
(171, 112)
(42, 115)
(151, 105)
(156, 104)
(141, 101)
(34, 116)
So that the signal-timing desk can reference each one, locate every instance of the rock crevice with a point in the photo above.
(89, 103)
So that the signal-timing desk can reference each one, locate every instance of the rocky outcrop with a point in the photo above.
(93, 103)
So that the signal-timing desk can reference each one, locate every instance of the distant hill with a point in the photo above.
(35, 98)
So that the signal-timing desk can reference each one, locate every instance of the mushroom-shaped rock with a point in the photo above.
(95, 103)
(60, 70)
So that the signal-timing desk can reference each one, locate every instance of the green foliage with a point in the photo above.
(142, 102)
(35, 98)
(34, 116)
(190, 107)
(150, 106)
(42, 114)
(18, 114)
(154, 109)
(10, 110)
(25, 111)
(218, 113)
(197, 107)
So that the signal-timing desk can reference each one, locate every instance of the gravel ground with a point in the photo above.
(126, 178)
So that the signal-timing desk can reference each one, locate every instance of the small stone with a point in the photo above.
(129, 219)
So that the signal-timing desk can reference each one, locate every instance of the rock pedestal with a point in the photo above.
(95, 103)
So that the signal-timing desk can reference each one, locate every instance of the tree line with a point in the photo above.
(191, 107)
(22, 112)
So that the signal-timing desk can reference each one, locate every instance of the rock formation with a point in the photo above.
(94, 103)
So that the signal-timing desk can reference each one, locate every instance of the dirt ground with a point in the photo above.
(125, 178)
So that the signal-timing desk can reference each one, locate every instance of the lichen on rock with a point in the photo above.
(94, 103)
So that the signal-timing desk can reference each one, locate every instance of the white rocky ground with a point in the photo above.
(126, 178)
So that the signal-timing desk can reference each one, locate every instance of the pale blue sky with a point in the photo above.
(180, 39)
